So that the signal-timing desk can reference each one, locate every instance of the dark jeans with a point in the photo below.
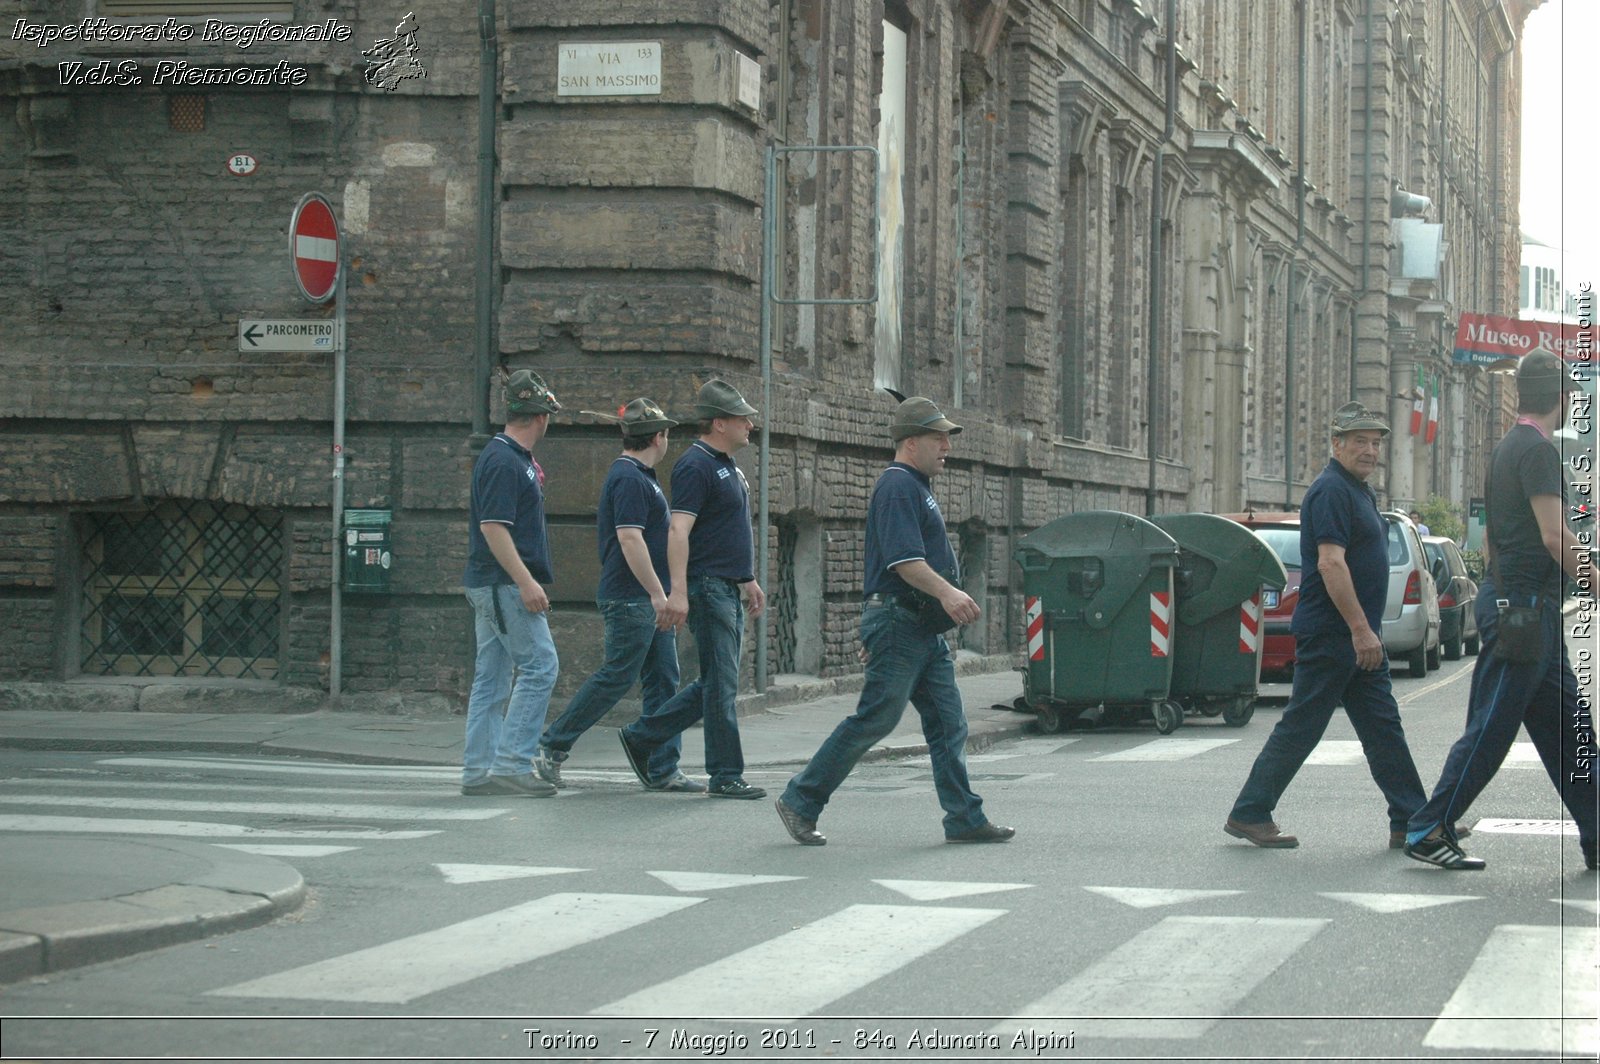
(904, 663)
(636, 652)
(1326, 675)
(716, 617)
(1541, 696)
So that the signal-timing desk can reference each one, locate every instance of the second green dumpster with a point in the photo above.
(1217, 640)
(1097, 590)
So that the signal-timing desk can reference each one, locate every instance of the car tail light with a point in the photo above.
(1414, 589)
(1447, 600)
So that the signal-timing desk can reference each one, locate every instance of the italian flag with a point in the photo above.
(1433, 414)
(1416, 404)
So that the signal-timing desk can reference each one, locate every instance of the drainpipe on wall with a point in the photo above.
(1153, 373)
(1366, 202)
(483, 339)
(1294, 254)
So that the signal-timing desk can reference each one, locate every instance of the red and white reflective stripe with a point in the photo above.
(1160, 623)
(1033, 615)
(1250, 624)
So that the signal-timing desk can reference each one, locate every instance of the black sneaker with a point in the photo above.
(527, 785)
(984, 833)
(736, 788)
(482, 789)
(638, 757)
(1442, 853)
(799, 828)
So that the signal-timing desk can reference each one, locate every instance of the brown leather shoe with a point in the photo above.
(1266, 834)
(1397, 839)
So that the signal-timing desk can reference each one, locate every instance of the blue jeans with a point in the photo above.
(1326, 675)
(508, 637)
(1541, 696)
(904, 664)
(716, 617)
(636, 652)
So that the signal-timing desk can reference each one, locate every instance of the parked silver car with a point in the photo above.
(1411, 615)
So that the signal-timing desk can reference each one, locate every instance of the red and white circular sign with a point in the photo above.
(314, 247)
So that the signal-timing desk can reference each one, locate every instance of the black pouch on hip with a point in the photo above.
(1520, 637)
(931, 615)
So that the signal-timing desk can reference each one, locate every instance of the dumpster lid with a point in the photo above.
(1243, 561)
(1094, 533)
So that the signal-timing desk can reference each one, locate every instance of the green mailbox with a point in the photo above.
(367, 554)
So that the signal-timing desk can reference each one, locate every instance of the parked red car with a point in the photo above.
(1281, 532)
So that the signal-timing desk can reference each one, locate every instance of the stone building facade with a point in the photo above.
(164, 497)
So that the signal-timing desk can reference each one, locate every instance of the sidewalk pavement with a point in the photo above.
(81, 898)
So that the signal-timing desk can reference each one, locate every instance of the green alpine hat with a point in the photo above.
(527, 393)
(721, 399)
(918, 416)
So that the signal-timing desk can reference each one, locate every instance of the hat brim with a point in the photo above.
(941, 424)
(707, 413)
(1363, 426)
(647, 428)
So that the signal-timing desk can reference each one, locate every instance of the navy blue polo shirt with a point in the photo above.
(631, 498)
(904, 524)
(506, 491)
(1341, 508)
(706, 484)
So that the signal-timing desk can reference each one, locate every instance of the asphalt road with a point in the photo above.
(1120, 924)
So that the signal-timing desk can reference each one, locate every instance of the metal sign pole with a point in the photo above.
(336, 604)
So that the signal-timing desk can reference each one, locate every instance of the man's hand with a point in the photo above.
(959, 605)
(677, 606)
(755, 600)
(668, 616)
(534, 600)
(1369, 649)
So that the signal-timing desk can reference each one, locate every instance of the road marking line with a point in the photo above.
(1185, 966)
(1337, 752)
(1166, 750)
(333, 810)
(1529, 989)
(300, 768)
(1525, 826)
(77, 785)
(696, 881)
(1414, 693)
(485, 873)
(940, 890)
(287, 850)
(1030, 748)
(803, 971)
(114, 826)
(1398, 903)
(1150, 897)
(417, 965)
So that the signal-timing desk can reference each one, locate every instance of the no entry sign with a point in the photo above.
(314, 247)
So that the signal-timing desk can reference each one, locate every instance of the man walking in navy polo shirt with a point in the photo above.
(711, 562)
(1339, 656)
(640, 621)
(912, 599)
(508, 564)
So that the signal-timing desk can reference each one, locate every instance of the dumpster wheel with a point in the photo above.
(1239, 712)
(1050, 719)
(1168, 715)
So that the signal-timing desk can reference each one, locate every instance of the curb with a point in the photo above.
(241, 892)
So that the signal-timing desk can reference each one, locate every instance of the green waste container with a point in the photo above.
(1217, 640)
(367, 553)
(1097, 601)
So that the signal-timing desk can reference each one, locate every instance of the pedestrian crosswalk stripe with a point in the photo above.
(1588, 905)
(1337, 752)
(939, 890)
(199, 829)
(19, 785)
(693, 881)
(1183, 973)
(440, 773)
(286, 850)
(1152, 897)
(485, 873)
(1168, 749)
(409, 968)
(803, 971)
(1025, 748)
(1517, 996)
(1523, 754)
(1398, 903)
(331, 810)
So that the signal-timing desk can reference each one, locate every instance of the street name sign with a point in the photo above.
(314, 247)
(281, 334)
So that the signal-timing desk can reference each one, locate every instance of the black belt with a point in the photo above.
(890, 600)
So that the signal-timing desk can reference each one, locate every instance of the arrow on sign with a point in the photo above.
(252, 333)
